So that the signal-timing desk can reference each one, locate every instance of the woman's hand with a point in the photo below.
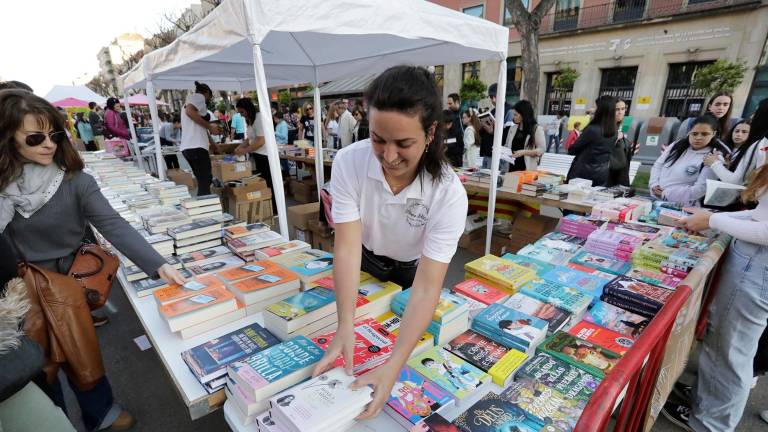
(171, 275)
(382, 379)
(342, 344)
(657, 191)
(517, 154)
(710, 159)
(698, 221)
(241, 150)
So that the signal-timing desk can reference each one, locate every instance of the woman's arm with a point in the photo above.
(732, 223)
(658, 165)
(538, 142)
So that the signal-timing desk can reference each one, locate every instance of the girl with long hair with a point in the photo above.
(524, 137)
(623, 150)
(471, 123)
(720, 106)
(592, 150)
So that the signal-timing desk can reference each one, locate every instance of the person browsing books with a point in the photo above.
(399, 210)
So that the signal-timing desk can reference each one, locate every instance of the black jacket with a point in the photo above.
(593, 156)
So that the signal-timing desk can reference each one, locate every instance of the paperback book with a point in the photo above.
(254, 241)
(636, 291)
(453, 374)
(555, 317)
(570, 299)
(281, 249)
(545, 405)
(217, 265)
(190, 288)
(497, 360)
(481, 292)
(309, 265)
(511, 328)
(603, 337)
(391, 322)
(373, 346)
(242, 231)
(413, 398)
(505, 273)
(494, 413)
(538, 267)
(546, 254)
(616, 319)
(586, 283)
(572, 382)
(580, 353)
(193, 310)
(608, 265)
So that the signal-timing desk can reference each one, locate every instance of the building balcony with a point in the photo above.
(587, 14)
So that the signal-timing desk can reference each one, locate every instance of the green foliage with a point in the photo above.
(222, 107)
(720, 76)
(565, 78)
(472, 90)
(284, 97)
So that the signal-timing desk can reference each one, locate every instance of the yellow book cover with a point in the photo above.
(502, 271)
(506, 366)
(503, 287)
(374, 289)
(391, 323)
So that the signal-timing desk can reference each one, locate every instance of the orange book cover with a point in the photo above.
(201, 300)
(191, 287)
(266, 279)
(248, 270)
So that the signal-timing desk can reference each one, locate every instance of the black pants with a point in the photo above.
(90, 145)
(200, 162)
(388, 270)
(262, 166)
(761, 358)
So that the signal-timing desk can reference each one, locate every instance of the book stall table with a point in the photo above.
(310, 161)
(502, 194)
(169, 347)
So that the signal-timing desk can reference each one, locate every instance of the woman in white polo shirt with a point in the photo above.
(399, 210)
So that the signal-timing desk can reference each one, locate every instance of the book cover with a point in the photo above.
(507, 367)
(680, 239)
(373, 345)
(214, 355)
(583, 354)
(570, 299)
(373, 289)
(608, 265)
(480, 291)
(635, 290)
(416, 398)
(631, 306)
(391, 322)
(203, 299)
(654, 278)
(306, 263)
(451, 373)
(254, 241)
(190, 258)
(276, 362)
(448, 306)
(543, 253)
(538, 267)
(240, 231)
(584, 282)
(182, 231)
(477, 349)
(281, 249)
(494, 413)
(603, 337)
(436, 422)
(544, 405)
(215, 266)
(191, 287)
(506, 273)
(616, 319)
(562, 242)
(508, 324)
(248, 270)
(302, 303)
(327, 281)
(555, 317)
(572, 382)
(267, 278)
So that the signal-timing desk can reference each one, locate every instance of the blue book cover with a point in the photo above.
(276, 362)
(494, 335)
(493, 413)
(450, 372)
(306, 263)
(448, 307)
(416, 398)
(302, 303)
(588, 284)
(516, 326)
(540, 267)
(608, 265)
(212, 357)
(570, 299)
(616, 319)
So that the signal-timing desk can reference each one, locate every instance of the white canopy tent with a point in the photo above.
(59, 92)
(249, 44)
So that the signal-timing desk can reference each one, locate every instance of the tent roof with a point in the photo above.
(70, 103)
(338, 38)
(60, 92)
(141, 99)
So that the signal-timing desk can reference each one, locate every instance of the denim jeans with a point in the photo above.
(96, 405)
(554, 138)
(737, 318)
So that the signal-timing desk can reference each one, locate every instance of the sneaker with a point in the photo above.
(124, 421)
(682, 392)
(99, 321)
(677, 414)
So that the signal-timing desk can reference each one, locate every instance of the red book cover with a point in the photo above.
(372, 344)
(482, 292)
(603, 337)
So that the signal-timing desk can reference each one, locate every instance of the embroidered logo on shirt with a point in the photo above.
(416, 213)
(691, 169)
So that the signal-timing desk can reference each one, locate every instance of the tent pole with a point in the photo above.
(501, 91)
(134, 140)
(319, 167)
(269, 140)
(156, 129)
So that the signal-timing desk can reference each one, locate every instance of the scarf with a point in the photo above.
(29, 193)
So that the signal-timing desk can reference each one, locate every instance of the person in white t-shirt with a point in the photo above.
(254, 141)
(194, 136)
(399, 210)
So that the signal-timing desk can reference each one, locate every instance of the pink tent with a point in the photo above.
(70, 102)
(142, 100)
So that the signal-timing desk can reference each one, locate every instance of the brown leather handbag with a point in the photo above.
(94, 268)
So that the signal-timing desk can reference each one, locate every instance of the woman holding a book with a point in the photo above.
(399, 211)
(47, 203)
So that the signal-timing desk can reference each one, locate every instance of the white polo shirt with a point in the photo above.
(423, 219)
(192, 134)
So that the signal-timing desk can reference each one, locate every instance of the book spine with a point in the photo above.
(633, 297)
(506, 366)
(637, 309)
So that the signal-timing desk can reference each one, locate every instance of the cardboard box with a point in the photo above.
(250, 192)
(527, 230)
(255, 180)
(182, 177)
(467, 238)
(304, 235)
(251, 211)
(324, 243)
(300, 215)
(228, 171)
(227, 148)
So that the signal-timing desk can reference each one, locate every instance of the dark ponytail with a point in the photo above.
(412, 90)
(680, 146)
(202, 88)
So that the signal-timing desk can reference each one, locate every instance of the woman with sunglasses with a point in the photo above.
(307, 123)
(47, 203)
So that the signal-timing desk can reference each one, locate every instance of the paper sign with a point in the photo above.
(581, 103)
(643, 103)
(652, 140)
(142, 342)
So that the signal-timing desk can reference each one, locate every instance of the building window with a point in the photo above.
(470, 71)
(556, 99)
(439, 77)
(758, 92)
(628, 10)
(476, 11)
(567, 14)
(619, 82)
(514, 78)
(698, 1)
(680, 100)
(507, 21)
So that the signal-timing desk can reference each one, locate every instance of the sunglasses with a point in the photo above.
(310, 108)
(37, 138)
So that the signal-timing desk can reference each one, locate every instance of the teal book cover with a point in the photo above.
(302, 303)
(598, 262)
(507, 323)
(540, 267)
(570, 299)
(450, 372)
(277, 362)
(584, 282)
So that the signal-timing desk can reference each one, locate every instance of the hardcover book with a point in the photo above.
(451, 373)
(583, 354)
(603, 337)
(494, 413)
(572, 382)
(570, 299)
(616, 319)
(555, 317)
(414, 398)
(544, 405)
(481, 292)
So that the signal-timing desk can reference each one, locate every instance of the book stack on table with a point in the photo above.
(498, 272)
(258, 284)
(197, 235)
(244, 239)
(373, 346)
(657, 257)
(511, 328)
(579, 226)
(202, 207)
(450, 319)
(169, 193)
(157, 220)
(310, 265)
(612, 244)
(545, 254)
(478, 295)
(304, 313)
(279, 249)
(533, 189)
(565, 297)
(636, 296)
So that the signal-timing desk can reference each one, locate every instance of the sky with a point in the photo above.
(49, 42)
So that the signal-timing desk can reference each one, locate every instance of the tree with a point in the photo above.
(98, 85)
(528, 25)
(284, 97)
(720, 76)
(472, 90)
(563, 82)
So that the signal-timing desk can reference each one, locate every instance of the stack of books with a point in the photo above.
(457, 376)
(258, 284)
(556, 317)
(321, 404)
(414, 398)
(198, 235)
(205, 305)
(564, 297)
(495, 359)
(310, 265)
(588, 284)
(450, 319)
(616, 211)
(305, 313)
(373, 346)
(543, 405)
(284, 248)
(670, 217)
(533, 189)
(215, 265)
(244, 245)
(391, 322)
(682, 240)
(616, 319)
(636, 296)
(545, 254)
(582, 354)
(205, 256)
(664, 259)
(141, 201)
(208, 362)
(645, 232)
(564, 377)
(157, 220)
(169, 194)
(602, 263)
(479, 295)
(560, 241)
(202, 207)
(256, 378)
(511, 328)
(499, 272)
(373, 295)
(579, 226)
(612, 244)
(557, 193)
(514, 181)
(538, 267)
(598, 335)
(161, 243)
